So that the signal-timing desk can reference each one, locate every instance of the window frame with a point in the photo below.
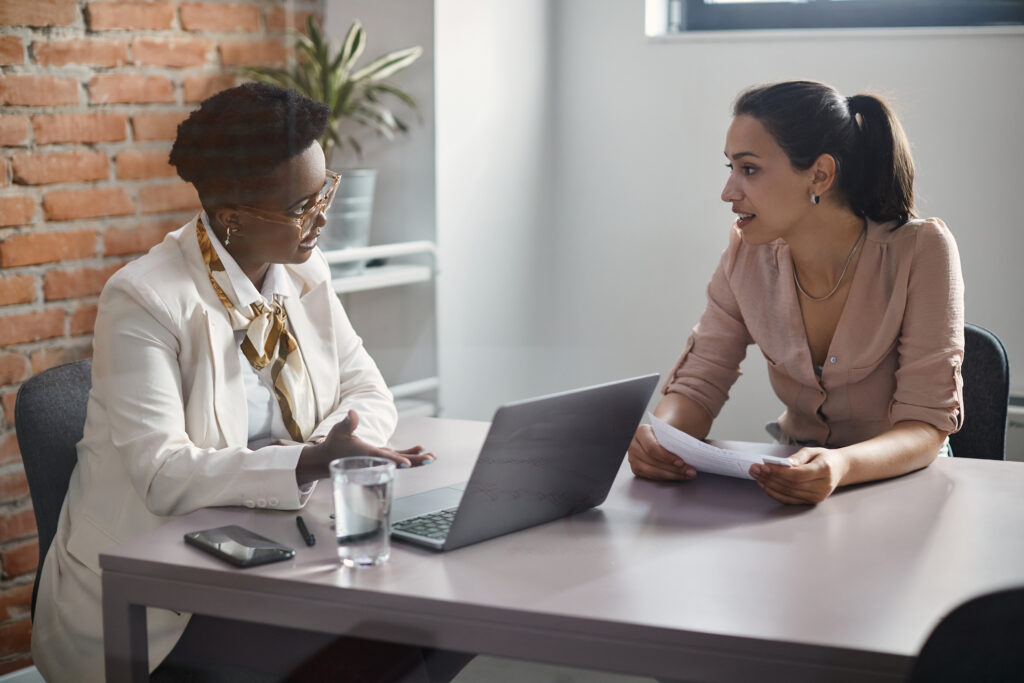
(696, 16)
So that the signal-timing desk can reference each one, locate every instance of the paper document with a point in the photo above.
(731, 458)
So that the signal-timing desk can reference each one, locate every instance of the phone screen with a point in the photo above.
(239, 546)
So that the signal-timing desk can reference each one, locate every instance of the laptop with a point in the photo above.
(543, 459)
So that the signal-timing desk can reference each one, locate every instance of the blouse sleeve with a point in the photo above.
(931, 344)
(710, 362)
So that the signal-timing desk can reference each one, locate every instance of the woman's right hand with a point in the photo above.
(341, 442)
(650, 460)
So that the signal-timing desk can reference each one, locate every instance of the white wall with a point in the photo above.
(579, 166)
(397, 324)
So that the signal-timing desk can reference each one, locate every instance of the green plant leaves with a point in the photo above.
(326, 76)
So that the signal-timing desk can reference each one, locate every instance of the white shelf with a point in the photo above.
(380, 251)
(408, 408)
(418, 386)
(382, 276)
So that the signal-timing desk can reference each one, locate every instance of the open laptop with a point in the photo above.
(543, 459)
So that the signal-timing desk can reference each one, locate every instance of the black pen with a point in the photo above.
(309, 538)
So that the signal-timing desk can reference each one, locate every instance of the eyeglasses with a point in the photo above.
(322, 202)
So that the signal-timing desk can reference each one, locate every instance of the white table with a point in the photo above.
(705, 580)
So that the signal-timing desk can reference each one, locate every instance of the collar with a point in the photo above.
(275, 281)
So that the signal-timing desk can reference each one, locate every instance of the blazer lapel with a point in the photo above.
(316, 343)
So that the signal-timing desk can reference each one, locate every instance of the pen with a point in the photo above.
(309, 538)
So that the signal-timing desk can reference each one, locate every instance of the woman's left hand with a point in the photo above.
(815, 474)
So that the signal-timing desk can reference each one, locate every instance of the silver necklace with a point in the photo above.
(849, 259)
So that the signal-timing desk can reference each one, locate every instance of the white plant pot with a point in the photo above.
(348, 219)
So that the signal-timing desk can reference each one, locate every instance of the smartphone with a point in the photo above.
(239, 546)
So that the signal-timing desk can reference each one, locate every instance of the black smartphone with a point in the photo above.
(239, 546)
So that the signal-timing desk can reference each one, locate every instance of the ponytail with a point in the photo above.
(875, 172)
(884, 189)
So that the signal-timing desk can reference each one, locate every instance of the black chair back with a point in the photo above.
(981, 641)
(49, 416)
(986, 374)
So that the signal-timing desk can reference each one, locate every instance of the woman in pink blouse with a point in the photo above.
(855, 303)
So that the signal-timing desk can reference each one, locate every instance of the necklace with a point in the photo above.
(849, 259)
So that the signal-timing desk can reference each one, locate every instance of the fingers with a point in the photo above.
(647, 459)
(781, 495)
(409, 457)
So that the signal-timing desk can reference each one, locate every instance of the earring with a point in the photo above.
(815, 199)
(227, 236)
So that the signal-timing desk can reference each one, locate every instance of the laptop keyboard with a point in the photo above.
(432, 525)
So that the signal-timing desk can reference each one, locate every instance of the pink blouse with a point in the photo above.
(895, 355)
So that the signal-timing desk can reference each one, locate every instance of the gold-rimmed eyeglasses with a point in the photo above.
(321, 202)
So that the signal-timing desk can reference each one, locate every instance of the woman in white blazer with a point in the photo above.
(225, 371)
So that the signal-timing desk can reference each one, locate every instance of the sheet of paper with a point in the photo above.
(730, 458)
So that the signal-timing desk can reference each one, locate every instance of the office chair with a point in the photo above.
(986, 374)
(49, 416)
(981, 641)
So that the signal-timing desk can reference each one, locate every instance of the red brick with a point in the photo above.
(277, 19)
(29, 327)
(135, 163)
(9, 451)
(99, 127)
(13, 130)
(38, 12)
(38, 91)
(80, 51)
(18, 560)
(64, 205)
(72, 284)
(32, 248)
(66, 167)
(4, 182)
(18, 289)
(128, 88)
(12, 51)
(16, 601)
(104, 16)
(162, 126)
(17, 210)
(200, 16)
(15, 525)
(174, 52)
(83, 320)
(173, 197)
(15, 636)
(14, 368)
(117, 241)
(253, 53)
(198, 88)
(45, 359)
(8, 401)
(13, 486)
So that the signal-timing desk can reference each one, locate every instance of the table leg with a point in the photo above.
(124, 638)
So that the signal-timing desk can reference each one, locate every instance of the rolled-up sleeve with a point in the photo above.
(710, 362)
(929, 387)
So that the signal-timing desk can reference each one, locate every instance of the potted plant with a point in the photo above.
(358, 100)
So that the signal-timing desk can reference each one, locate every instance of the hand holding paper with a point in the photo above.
(729, 458)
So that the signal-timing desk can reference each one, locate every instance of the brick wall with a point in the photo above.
(91, 94)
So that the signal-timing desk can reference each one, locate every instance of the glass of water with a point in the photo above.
(362, 509)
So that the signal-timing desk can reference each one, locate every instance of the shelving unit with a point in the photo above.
(409, 395)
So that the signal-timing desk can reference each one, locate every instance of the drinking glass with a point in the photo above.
(362, 509)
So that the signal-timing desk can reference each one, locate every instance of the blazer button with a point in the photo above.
(272, 502)
(261, 502)
(250, 503)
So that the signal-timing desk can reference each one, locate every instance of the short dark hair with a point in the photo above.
(807, 119)
(230, 145)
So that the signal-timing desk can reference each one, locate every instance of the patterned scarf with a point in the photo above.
(267, 342)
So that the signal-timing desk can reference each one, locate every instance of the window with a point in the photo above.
(725, 15)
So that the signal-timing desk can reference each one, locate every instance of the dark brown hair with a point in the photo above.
(875, 172)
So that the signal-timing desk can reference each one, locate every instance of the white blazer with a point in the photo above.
(166, 432)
